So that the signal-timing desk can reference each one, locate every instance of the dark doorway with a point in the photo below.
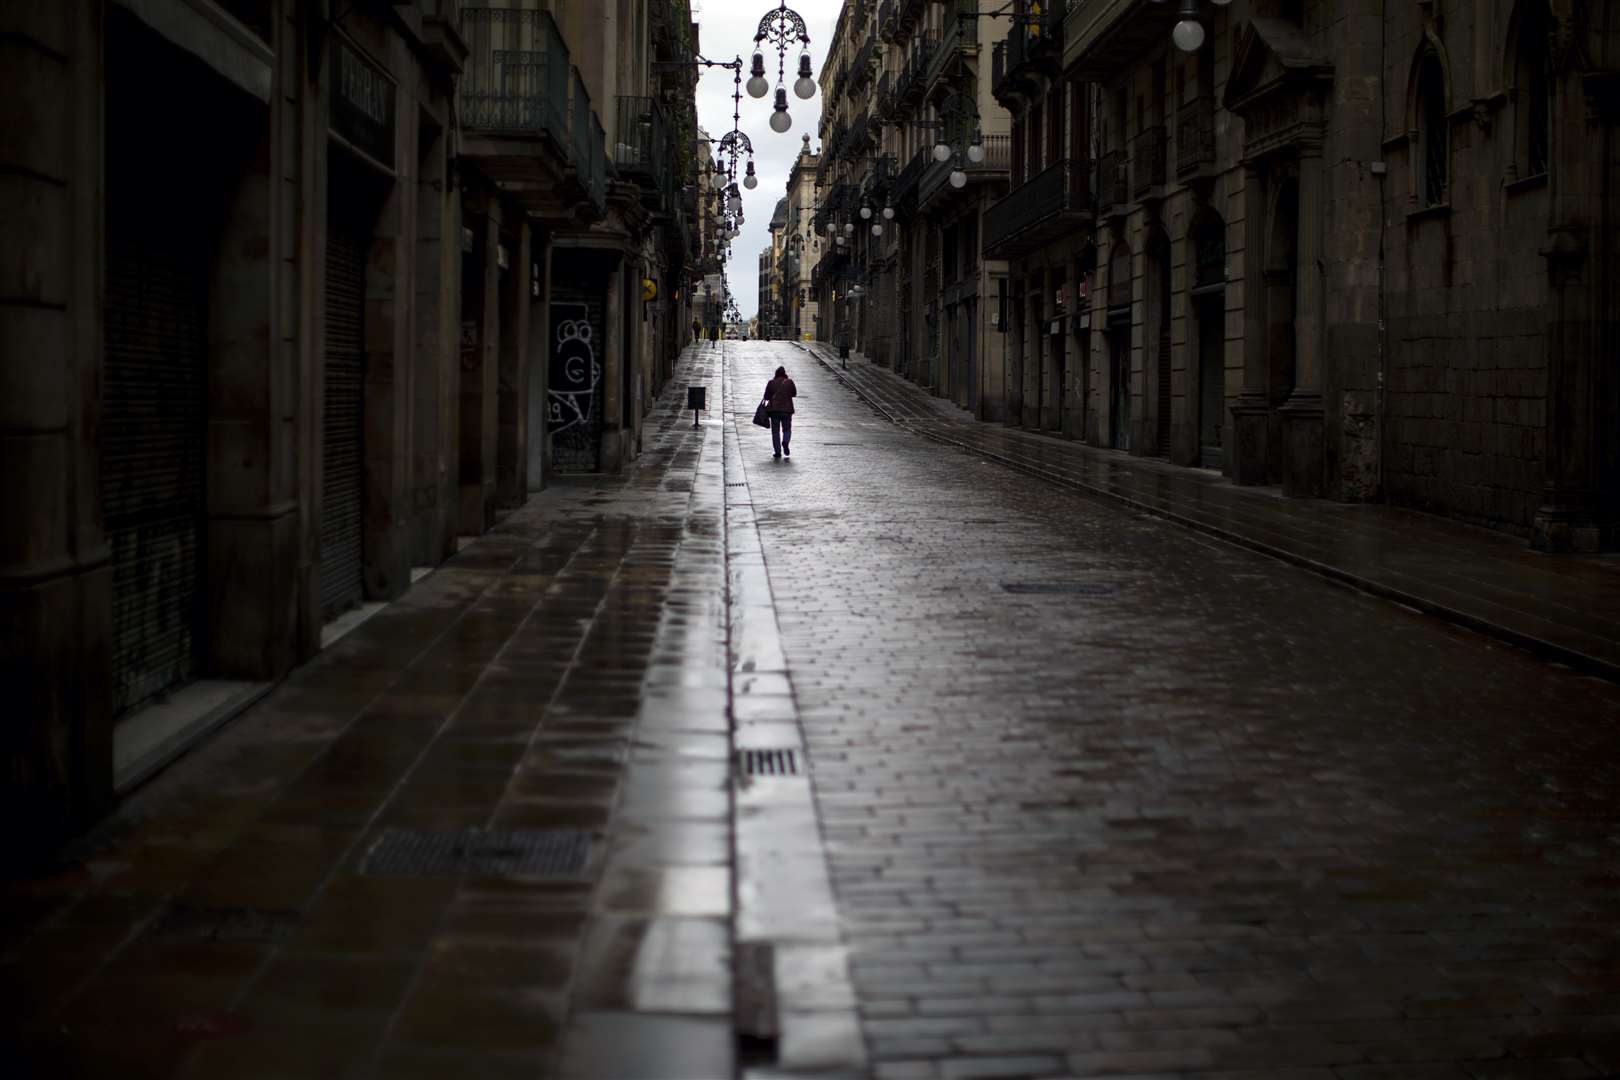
(1282, 256)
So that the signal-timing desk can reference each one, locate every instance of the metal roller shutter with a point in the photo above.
(153, 458)
(343, 469)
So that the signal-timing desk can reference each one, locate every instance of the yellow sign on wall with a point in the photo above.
(649, 289)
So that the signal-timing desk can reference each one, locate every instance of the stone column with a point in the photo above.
(1302, 412)
(612, 457)
(478, 392)
(1248, 461)
(512, 408)
(537, 442)
(55, 574)
(1578, 505)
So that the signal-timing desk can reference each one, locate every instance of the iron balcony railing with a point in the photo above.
(1148, 160)
(1195, 136)
(516, 76)
(887, 12)
(642, 151)
(960, 31)
(861, 68)
(1112, 189)
(585, 131)
(904, 192)
(922, 52)
(1031, 39)
(1059, 188)
(997, 159)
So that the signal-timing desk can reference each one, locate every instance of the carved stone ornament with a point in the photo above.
(1277, 85)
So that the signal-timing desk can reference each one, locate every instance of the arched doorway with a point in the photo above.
(1282, 258)
(1207, 238)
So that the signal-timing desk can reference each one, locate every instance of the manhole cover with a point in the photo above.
(1069, 588)
(768, 762)
(529, 852)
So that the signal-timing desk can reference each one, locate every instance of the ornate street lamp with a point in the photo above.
(781, 28)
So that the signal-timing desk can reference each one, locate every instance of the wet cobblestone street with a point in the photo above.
(1103, 796)
(1036, 786)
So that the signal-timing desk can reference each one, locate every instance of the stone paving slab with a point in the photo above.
(1566, 607)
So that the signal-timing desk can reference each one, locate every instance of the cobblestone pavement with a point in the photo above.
(253, 913)
(1103, 796)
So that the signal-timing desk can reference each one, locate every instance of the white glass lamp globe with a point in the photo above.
(805, 86)
(1188, 35)
(1220, 3)
(958, 178)
(750, 181)
(757, 86)
(781, 121)
(849, 227)
(866, 213)
(877, 230)
(976, 153)
(942, 152)
(719, 180)
(888, 213)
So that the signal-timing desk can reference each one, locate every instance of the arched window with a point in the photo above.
(1434, 144)
(1531, 91)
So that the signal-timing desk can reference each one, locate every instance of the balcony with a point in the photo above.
(1102, 37)
(916, 81)
(1032, 48)
(935, 186)
(960, 33)
(883, 97)
(1112, 189)
(1148, 161)
(513, 100)
(903, 195)
(1195, 137)
(908, 16)
(888, 20)
(588, 141)
(1055, 203)
(642, 152)
(860, 69)
(517, 74)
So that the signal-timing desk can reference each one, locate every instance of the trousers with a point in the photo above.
(781, 430)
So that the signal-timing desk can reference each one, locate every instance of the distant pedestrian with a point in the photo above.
(779, 395)
(697, 330)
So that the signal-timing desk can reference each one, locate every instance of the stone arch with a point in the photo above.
(1527, 77)
(1428, 108)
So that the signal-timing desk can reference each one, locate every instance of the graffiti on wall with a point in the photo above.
(573, 393)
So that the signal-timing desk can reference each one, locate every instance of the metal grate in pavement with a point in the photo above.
(1070, 588)
(527, 852)
(736, 483)
(768, 762)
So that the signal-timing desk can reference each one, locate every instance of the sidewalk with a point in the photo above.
(1564, 607)
(486, 834)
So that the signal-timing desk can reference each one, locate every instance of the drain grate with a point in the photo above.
(736, 483)
(1069, 588)
(529, 852)
(768, 762)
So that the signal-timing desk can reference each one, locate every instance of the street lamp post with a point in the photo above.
(780, 28)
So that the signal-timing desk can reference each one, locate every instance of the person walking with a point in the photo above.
(779, 395)
(697, 330)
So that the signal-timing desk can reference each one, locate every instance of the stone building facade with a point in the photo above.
(1356, 251)
(274, 330)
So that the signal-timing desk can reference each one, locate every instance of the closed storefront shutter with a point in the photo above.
(153, 457)
(342, 475)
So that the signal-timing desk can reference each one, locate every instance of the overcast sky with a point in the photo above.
(726, 30)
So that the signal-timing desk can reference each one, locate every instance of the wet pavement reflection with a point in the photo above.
(1104, 796)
